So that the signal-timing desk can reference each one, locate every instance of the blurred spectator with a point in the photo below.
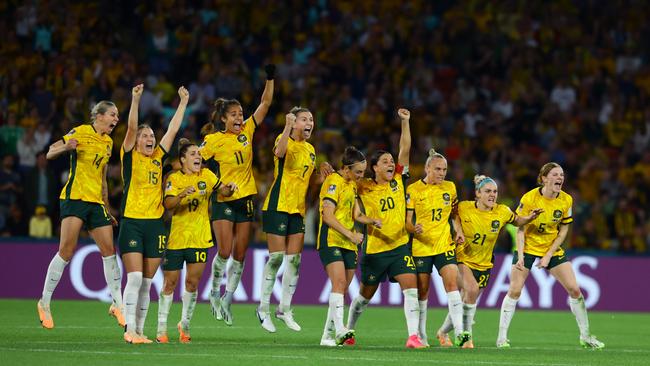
(10, 133)
(42, 186)
(40, 225)
(27, 149)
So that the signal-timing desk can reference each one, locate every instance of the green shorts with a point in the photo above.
(375, 267)
(241, 210)
(481, 277)
(529, 259)
(335, 254)
(93, 214)
(426, 264)
(146, 236)
(282, 223)
(174, 258)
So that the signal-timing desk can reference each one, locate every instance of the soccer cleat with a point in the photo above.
(44, 315)
(328, 342)
(463, 338)
(350, 341)
(443, 339)
(265, 320)
(183, 333)
(591, 342)
(133, 338)
(116, 313)
(162, 338)
(225, 313)
(469, 344)
(343, 337)
(215, 305)
(503, 343)
(424, 339)
(287, 318)
(414, 342)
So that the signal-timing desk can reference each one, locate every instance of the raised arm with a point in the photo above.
(405, 137)
(175, 124)
(60, 147)
(330, 219)
(132, 127)
(524, 220)
(281, 148)
(267, 95)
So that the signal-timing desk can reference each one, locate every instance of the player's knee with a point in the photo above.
(191, 285)
(338, 285)
(66, 253)
(514, 293)
(169, 286)
(472, 291)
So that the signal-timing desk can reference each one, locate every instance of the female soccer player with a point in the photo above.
(432, 203)
(283, 214)
(542, 239)
(229, 152)
(143, 236)
(83, 201)
(482, 220)
(337, 240)
(187, 194)
(386, 251)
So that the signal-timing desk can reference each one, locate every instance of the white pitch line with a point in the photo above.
(266, 356)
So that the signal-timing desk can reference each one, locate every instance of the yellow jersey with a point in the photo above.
(190, 226)
(388, 203)
(87, 164)
(343, 194)
(481, 230)
(291, 178)
(234, 157)
(432, 205)
(542, 231)
(142, 177)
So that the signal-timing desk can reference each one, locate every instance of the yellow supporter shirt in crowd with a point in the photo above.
(190, 220)
(142, 177)
(542, 231)
(432, 205)
(291, 178)
(388, 203)
(87, 164)
(233, 155)
(481, 230)
(343, 194)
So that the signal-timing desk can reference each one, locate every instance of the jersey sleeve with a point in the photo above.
(331, 192)
(161, 153)
(250, 125)
(172, 188)
(73, 134)
(215, 182)
(567, 214)
(454, 195)
(206, 149)
(410, 202)
(507, 215)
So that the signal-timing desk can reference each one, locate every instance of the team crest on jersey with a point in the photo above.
(133, 243)
(446, 197)
(227, 211)
(495, 225)
(337, 253)
(282, 227)
(557, 215)
(156, 163)
(242, 138)
(393, 185)
(331, 189)
(202, 186)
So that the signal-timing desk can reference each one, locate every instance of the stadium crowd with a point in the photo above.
(500, 87)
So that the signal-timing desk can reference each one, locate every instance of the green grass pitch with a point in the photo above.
(85, 335)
